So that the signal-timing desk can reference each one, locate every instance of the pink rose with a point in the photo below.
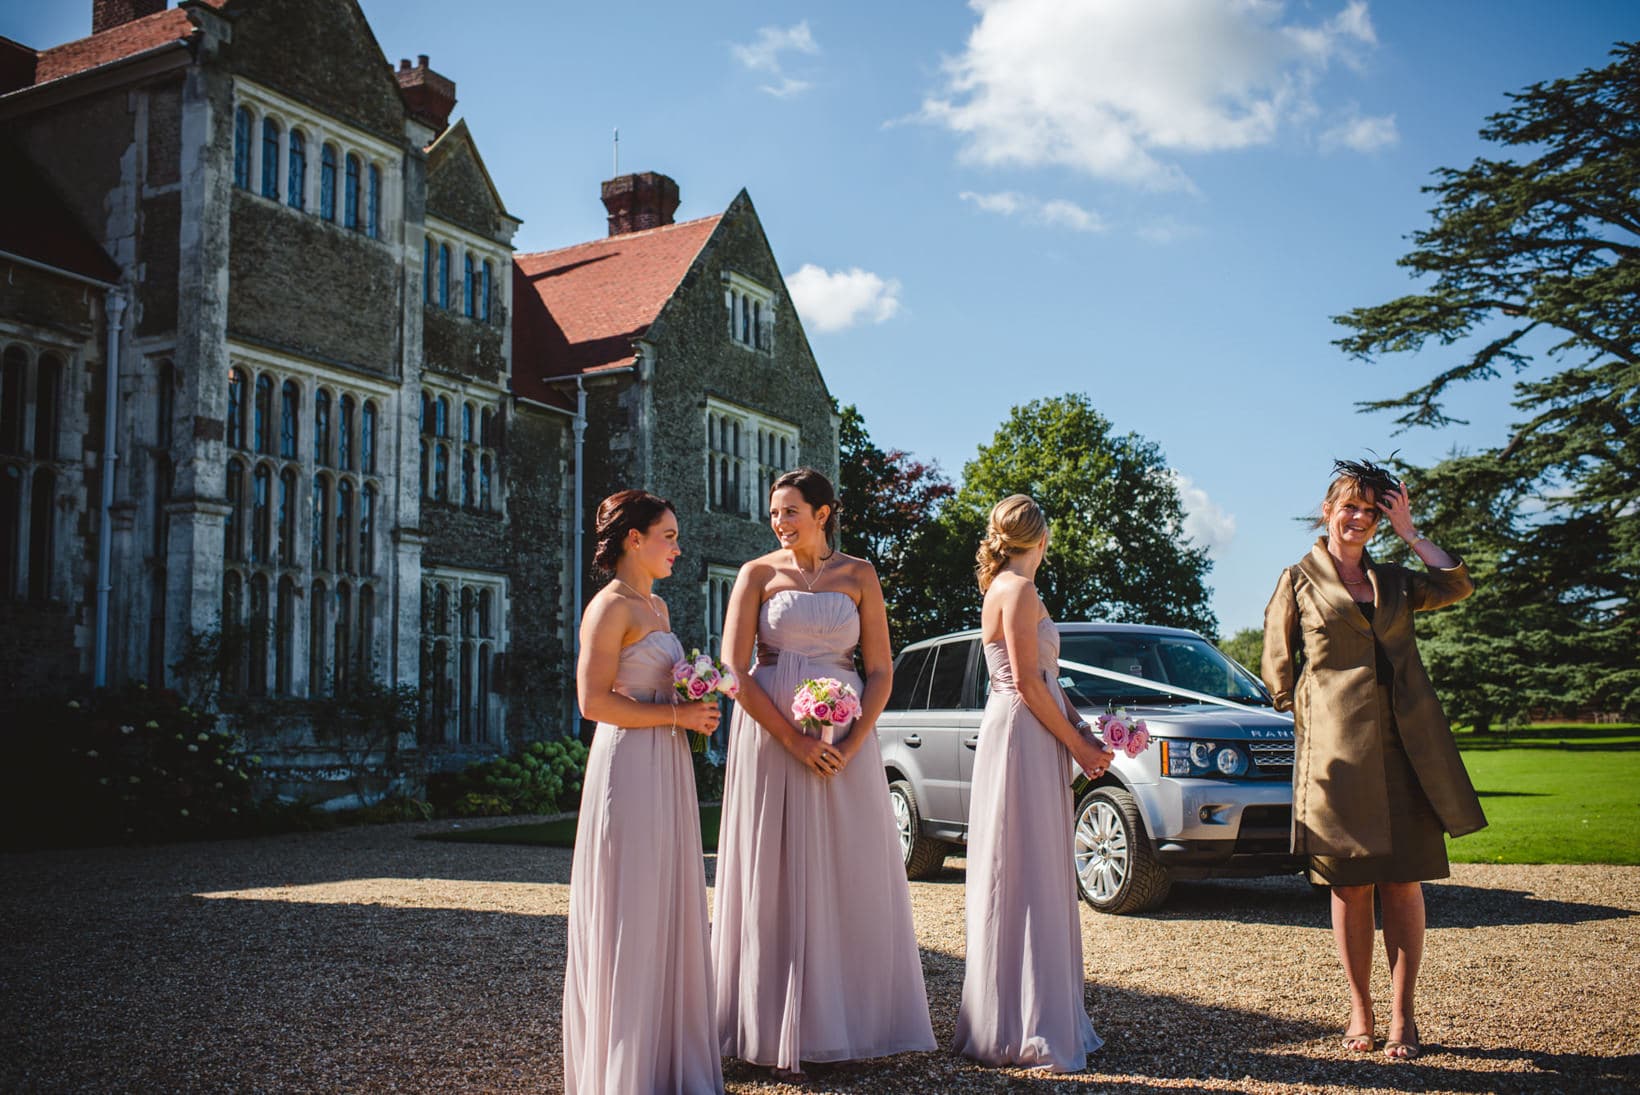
(822, 711)
(697, 688)
(800, 705)
(1116, 733)
(1139, 741)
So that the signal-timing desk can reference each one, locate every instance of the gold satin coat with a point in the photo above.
(1340, 802)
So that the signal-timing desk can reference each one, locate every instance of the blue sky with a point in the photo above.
(1157, 202)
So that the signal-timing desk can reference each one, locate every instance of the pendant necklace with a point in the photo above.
(647, 600)
(819, 570)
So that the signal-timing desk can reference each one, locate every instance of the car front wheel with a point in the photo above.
(922, 856)
(1116, 871)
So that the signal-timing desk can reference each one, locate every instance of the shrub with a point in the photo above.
(543, 778)
(126, 764)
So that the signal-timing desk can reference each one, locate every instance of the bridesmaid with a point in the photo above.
(812, 941)
(638, 975)
(1022, 991)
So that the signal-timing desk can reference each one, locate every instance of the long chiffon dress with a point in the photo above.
(812, 941)
(638, 973)
(1022, 989)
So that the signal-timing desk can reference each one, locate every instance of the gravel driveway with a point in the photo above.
(366, 960)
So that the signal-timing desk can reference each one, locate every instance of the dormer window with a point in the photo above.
(751, 313)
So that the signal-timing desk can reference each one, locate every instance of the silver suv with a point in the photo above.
(1211, 797)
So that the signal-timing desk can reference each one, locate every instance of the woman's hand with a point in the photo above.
(1093, 758)
(818, 757)
(1396, 505)
(698, 718)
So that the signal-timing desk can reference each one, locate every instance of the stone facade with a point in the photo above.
(326, 457)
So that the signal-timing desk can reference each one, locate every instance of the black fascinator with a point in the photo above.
(1368, 475)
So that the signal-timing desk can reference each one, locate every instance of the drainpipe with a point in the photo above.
(579, 551)
(114, 308)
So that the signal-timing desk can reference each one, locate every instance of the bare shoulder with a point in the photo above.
(853, 567)
(757, 572)
(1011, 589)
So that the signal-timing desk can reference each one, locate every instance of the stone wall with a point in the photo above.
(313, 289)
(322, 54)
(538, 677)
(695, 358)
(467, 348)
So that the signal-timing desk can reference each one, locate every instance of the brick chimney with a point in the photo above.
(429, 96)
(107, 14)
(636, 202)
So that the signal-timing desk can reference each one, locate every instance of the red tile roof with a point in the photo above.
(115, 44)
(35, 224)
(579, 309)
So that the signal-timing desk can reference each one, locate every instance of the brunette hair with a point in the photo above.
(1016, 525)
(618, 515)
(1354, 479)
(817, 491)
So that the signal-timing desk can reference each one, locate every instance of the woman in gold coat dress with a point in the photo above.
(1377, 778)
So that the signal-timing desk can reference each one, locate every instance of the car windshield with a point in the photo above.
(1186, 661)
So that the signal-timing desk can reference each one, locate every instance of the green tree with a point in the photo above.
(889, 501)
(1119, 551)
(1532, 262)
(1247, 647)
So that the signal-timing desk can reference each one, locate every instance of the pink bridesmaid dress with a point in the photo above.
(812, 941)
(1022, 989)
(638, 973)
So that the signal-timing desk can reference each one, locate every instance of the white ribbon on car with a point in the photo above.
(1170, 689)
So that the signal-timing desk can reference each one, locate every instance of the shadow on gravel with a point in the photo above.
(1455, 906)
(1609, 1073)
(1566, 1072)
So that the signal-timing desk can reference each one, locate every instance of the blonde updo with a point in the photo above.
(1016, 525)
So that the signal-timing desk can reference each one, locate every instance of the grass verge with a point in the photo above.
(560, 833)
(1555, 793)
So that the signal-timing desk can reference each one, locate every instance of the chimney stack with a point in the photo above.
(108, 14)
(429, 96)
(636, 202)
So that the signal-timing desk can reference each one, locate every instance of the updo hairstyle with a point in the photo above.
(1354, 479)
(618, 515)
(1016, 525)
(817, 491)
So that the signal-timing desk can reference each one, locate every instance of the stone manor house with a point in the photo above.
(273, 371)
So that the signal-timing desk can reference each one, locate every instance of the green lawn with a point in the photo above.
(1555, 793)
(560, 834)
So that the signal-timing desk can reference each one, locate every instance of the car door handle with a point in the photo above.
(972, 743)
(913, 740)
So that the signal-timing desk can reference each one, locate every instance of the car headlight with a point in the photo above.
(1203, 758)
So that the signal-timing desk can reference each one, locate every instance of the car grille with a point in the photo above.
(1265, 830)
(1272, 758)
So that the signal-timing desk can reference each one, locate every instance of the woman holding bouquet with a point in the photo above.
(812, 941)
(638, 973)
(1377, 776)
(1022, 989)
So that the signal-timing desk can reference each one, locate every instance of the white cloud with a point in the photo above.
(1117, 88)
(834, 301)
(1361, 134)
(1205, 521)
(1164, 230)
(1056, 212)
(764, 55)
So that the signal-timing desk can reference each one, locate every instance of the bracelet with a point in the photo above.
(1082, 725)
(674, 718)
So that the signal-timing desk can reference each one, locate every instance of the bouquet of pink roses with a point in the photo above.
(701, 678)
(823, 703)
(1121, 734)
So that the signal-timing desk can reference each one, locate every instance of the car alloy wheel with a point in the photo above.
(1102, 860)
(1116, 871)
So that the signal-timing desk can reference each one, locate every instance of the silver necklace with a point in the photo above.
(648, 600)
(808, 582)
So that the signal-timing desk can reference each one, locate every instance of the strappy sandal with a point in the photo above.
(1358, 1043)
(1404, 1050)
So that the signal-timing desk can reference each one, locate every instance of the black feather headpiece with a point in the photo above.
(1368, 475)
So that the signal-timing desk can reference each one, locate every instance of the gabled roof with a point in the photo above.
(579, 309)
(116, 43)
(35, 224)
(444, 142)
